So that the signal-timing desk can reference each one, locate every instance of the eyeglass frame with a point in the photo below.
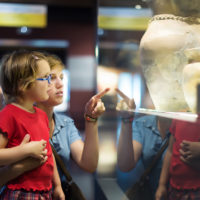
(48, 78)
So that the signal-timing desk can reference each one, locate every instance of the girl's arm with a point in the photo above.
(58, 192)
(164, 176)
(14, 170)
(11, 155)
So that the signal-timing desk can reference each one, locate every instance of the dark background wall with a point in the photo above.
(72, 23)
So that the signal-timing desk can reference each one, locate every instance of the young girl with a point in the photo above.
(184, 179)
(25, 78)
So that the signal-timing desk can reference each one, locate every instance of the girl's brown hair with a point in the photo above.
(18, 72)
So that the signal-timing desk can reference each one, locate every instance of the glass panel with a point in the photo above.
(150, 51)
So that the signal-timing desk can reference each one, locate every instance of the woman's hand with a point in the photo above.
(124, 105)
(95, 107)
(58, 193)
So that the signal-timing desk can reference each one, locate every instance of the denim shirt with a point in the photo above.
(145, 131)
(65, 133)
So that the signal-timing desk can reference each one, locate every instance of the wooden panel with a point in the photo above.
(78, 100)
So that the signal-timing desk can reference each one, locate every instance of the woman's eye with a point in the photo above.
(53, 77)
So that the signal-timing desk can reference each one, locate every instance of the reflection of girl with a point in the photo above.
(184, 179)
(64, 135)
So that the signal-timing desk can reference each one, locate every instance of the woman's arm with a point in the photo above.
(86, 154)
(128, 150)
(10, 172)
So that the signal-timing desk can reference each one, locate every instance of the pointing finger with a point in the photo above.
(101, 94)
(122, 95)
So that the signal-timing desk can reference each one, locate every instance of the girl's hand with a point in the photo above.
(95, 107)
(58, 193)
(36, 149)
(190, 153)
(124, 105)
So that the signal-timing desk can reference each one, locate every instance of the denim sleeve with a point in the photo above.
(74, 134)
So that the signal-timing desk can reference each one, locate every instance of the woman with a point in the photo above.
(63, 133)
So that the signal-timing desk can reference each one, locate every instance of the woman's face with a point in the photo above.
(56, 87)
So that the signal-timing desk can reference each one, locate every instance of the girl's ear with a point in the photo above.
(24, 85)
(21, 86)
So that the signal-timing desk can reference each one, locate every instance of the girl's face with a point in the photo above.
(39, 90)
(56, 88)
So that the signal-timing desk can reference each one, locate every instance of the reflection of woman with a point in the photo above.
(64, 135)
(174, 28)
(141, 138)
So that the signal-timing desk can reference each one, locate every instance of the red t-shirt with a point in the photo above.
(183, 176)
(16, 123)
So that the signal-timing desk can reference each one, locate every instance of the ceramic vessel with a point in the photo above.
(191, 78)
(163, 59)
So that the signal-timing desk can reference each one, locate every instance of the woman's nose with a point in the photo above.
(59, 82)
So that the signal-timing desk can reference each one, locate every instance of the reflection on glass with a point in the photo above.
(168, 60)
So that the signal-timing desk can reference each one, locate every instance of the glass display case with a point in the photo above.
(150, 51)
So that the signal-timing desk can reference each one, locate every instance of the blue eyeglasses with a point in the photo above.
(48, 78)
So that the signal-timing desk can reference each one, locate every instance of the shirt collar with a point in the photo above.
(151, 123)
(60, 122)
